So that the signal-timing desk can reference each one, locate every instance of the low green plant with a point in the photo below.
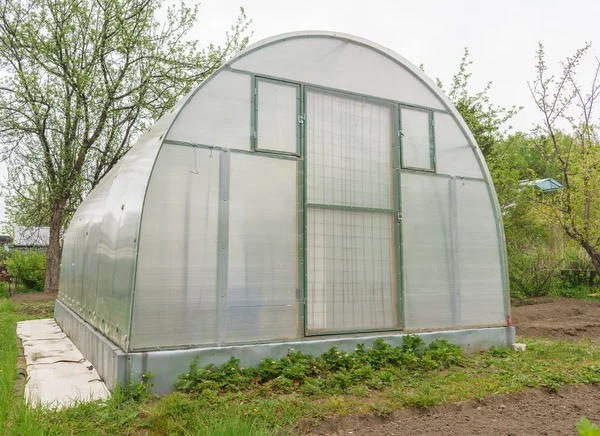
(335, 371)
(586, 428)
(136, 392)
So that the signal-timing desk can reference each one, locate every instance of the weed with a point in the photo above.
(382, 410)
(499, 352)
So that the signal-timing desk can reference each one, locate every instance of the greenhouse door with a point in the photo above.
(352, 214)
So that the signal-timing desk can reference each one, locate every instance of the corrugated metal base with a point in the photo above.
(115, 366)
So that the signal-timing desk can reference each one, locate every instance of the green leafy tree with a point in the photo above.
(567, 138)
(80, 80)
(485, 120)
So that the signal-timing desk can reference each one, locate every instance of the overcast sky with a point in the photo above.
(502, 36)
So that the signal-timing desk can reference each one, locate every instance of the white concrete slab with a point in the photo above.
(57, 373)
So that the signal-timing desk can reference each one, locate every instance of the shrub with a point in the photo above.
(30, 267)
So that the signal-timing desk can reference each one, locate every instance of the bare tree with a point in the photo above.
(568, 138)
(79, 81)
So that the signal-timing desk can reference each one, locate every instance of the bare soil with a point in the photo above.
(558, 318)
(34, 297)
(532, 412)
(527, 413)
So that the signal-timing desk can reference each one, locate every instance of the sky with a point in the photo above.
(502, 36)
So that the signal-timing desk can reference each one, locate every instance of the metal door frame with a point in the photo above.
(397, 210)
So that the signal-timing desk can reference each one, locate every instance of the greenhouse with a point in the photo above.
(317, 190)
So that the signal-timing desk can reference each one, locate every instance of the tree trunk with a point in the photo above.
(594, 255)
(53, 253)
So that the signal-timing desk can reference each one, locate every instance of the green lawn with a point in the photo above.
(284, 406)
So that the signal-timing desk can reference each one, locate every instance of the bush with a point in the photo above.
(30, 267)
(533, 273)
(4, 290)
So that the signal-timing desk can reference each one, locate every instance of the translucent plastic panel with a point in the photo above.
(175, 296)
(96, 203)
(351, 270)
(334, 63)
(348, 151)
(277, 116)
(481, 296)
(263, 250)
(454, 155)
(218, 114)
(416, 141)
(71, 286)
(101, 242)
(427, 251)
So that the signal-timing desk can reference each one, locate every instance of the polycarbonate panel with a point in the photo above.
(335, 63)
(70, 285)
(102, 240)
(277, 116)
(351, 270)
(481, 295)
(96, 201)
(175, 292)
(427, 250)
(348, 151)
(453, 153)
(218, 114)
(416, 141)
(263, 263)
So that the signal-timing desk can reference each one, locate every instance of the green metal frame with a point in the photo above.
(340, 91)
(255, 115)
(430, 126)
(398, 204)
(449, 176)
(350, 208)
(397, 211)
(302, 226)
(271, 155)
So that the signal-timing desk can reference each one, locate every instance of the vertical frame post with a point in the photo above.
(432, 142)
(456, 311)
(397, 162)
(253, 113)
(302, 213)
(223, 247)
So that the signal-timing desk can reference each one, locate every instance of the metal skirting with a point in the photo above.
(118, 367)
(108, 359)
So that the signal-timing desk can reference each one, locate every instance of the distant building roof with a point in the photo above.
(31, 236)
(545, 185)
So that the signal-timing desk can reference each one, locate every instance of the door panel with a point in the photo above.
(351, 214)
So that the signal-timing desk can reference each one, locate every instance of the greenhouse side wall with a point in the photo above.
(100, 247)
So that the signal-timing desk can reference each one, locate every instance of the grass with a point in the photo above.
(279, 407)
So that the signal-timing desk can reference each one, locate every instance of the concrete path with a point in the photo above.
(57, 373)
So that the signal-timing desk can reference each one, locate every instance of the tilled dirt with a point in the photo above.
(558, 318)
(527, 413)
